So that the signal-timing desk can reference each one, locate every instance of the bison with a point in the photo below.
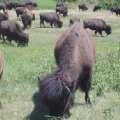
(52, 18)
(27, 18)
(115, 10)
(83, 7)
(96, 8)
(13, 31)
(75, 55)
(1, 64)
(61, 8)
(98, 25)
(19, 11)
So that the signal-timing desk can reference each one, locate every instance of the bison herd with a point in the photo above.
(75, 51)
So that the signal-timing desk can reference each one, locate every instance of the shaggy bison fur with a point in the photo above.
(1, 64)
(75, 56)
(52, 18)
(13, 31)
(98, 25)
(83, 7)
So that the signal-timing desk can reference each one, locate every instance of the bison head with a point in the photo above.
(108, 29)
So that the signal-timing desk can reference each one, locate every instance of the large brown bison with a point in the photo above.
(82, 7)
(52, 18)
(97, 25)
(27, 18)
(62, 8)
(96, 8)
(75, 56)
(13, 31)
(1, 64)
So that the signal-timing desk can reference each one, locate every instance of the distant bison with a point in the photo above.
(10, 5)
(27, 18)
(73, 20)
(83, 7)
(19, 11)
(96, 8)
(52, 18)
(75, 57)
(1, 64)
(11, 30)
(115, 10)
(61, 8)
(98, 25)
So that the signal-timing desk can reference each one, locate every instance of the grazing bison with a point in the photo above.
(96, 8)
(27, 18)
(98, 25)
(83, 7)
(61, 8)
(52, 18)
(1, 64)
(13, 31)
(73, 20)
(115, 10)
(75, 56)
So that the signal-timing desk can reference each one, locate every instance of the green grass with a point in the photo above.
(23, 65)
(46, 4)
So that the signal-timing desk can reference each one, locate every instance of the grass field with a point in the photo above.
(23, 65)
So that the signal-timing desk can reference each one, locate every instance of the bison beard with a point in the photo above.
(75, 56)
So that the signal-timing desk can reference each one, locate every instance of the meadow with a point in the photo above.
(23, 65)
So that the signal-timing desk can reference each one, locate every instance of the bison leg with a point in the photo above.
(100, 32)
(96, 33)
(85, 82)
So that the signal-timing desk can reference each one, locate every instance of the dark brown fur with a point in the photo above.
(75, 56)
(98, 25)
